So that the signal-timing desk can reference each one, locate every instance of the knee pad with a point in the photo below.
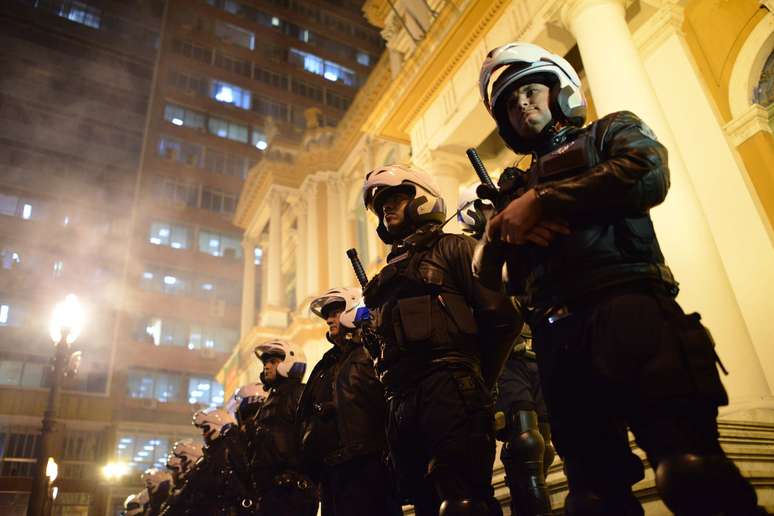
(464, 508)
(526, 443)
(584, 502)
(704, 484)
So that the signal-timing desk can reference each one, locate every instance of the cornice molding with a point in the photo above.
(749, 123)
(450, 40)
(666, 21)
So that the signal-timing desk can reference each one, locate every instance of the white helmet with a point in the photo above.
(174, 463)
(134, 505)
(153, 477)
(348, 298)
(293, 359)
(506, 66)
(250, 394)
(473, 212)
(211, 421)
(188, 450)
(426, 205)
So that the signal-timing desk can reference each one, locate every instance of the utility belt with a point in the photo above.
(551, 303)
(350, 452)
(293, 480)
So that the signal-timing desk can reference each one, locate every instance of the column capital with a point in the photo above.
(446, 162)
(667, 20)
(749, 123)
(570, 9)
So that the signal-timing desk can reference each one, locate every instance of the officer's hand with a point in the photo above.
(544, 232)
(516, 220)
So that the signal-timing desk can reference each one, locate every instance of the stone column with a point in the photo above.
(450, 169)
(248, 286)
(274, 311)
(336, 227)
(313, 242)
(301, 253)
(619, 81)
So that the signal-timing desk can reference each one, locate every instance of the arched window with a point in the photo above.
(763, 93)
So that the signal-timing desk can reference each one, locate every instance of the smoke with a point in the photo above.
(73, 116)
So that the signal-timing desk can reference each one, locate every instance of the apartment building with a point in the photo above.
(127, 130)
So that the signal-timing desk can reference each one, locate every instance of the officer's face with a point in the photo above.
(333, 322)
(528, 109)
(270, 369)
(394, 211)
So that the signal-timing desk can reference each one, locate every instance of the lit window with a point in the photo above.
(258, 255)
(205, 391)
(58, 267)
(66, 220)
(147, 275)
(170, 280)
(27, 211)
(177, 121)
(230, 94)
(4, 309)
(275, 21)
(172, 235)
(363, 58)
(79, 12)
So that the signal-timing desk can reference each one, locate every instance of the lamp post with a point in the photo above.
(66, 322)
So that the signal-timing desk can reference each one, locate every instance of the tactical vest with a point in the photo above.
(423, 318)
(602, 250)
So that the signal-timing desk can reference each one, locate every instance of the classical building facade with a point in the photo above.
(698, 72)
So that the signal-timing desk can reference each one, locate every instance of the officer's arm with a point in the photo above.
(632, 177)
(492, 310)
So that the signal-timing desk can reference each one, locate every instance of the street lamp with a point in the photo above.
(115, 471)
(66, 323)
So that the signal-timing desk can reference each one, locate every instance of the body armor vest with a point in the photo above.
(424, 320)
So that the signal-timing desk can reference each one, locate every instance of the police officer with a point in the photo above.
(435, 320)
(136, 504)
(342, 413)
(614, 348)
(527, 451)
(222, 486)
(182, 462)
(158, 483)
(276, 463)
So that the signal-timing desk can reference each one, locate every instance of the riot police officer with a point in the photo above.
(342, 414)
(435, 320)
(136, 504)
(158, 483)
(276, 461)
(182, 462)
(614, 348)
(527, 451)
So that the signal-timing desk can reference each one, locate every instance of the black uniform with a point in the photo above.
(342, 413)
(527, 451)
(434, 317)
(276, 460)
(613, 346)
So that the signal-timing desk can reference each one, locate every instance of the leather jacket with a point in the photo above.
(342, 410)
(431, 311)
(602, 180)
(276, 440)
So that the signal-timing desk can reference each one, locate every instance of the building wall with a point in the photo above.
(688, 70)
